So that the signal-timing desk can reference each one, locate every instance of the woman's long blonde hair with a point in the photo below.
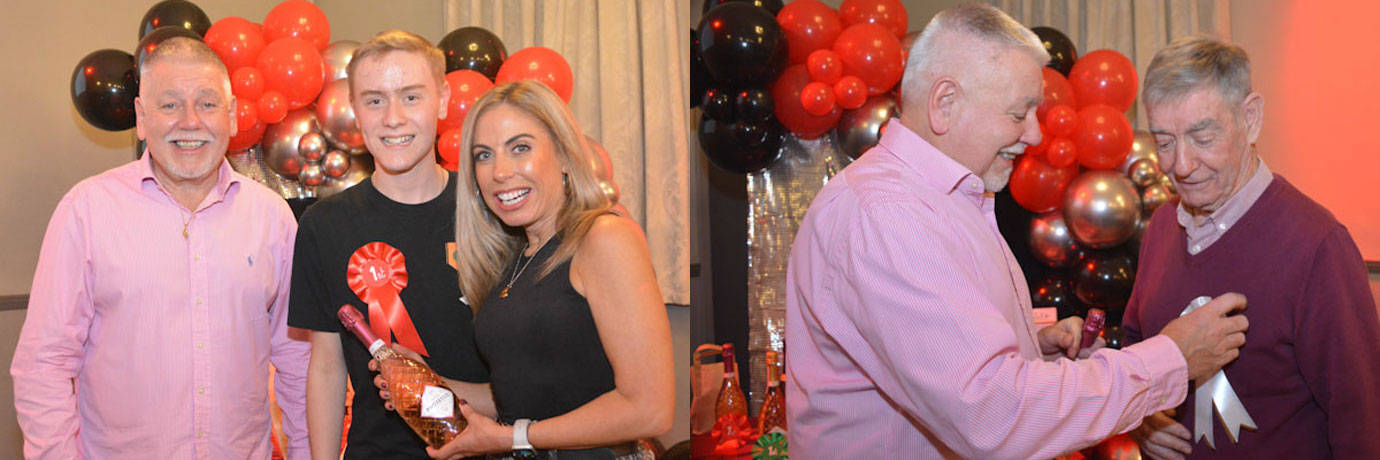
(483, 244)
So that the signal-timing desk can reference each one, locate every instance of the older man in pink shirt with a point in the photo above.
(161, 293)
(908, 318)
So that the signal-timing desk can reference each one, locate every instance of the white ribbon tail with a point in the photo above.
(1217, 392)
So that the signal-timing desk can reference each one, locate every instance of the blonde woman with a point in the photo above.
(568, 314)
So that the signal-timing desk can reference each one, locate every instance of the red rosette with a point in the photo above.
(377, 273)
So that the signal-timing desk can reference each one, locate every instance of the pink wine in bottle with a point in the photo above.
(417, 392)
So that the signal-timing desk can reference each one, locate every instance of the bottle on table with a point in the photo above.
(773, 415)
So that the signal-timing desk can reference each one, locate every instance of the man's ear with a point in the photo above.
(139, 119)
(1253, 110)
(941, 104)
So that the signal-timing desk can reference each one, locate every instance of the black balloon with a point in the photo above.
(1054, 291)
(175, 13)
(740, 147)
(742, 45)
(718, 104)
(754, 105)
(772, 6)
(104, 86)
(1104, 279)
(700, 81)
(473, 48)
(151, 41)
(1061, 51)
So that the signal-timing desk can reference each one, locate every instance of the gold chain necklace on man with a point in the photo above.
(186, 222)
(517, 272)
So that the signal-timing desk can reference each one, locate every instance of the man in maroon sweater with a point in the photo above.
(1308, 374)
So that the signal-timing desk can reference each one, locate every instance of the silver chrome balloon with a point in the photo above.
(281, 139)
(1154, 196)
(360, 168)
(611, 190)
(312, 147)
(311, 175)
(600, 161)
(1142, 147)
(337, 58)
(1051, 241)
(338, 118)
(1101, 208)
(335, 164)
(860, 129)
(1138, 236)
(1143, 173)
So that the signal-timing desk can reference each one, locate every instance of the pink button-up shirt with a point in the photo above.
(165, 339)
(910, 335)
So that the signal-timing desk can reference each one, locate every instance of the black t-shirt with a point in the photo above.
(328, 234)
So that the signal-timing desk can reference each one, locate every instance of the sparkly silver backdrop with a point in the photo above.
(777, 200)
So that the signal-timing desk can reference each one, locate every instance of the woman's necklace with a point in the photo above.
(517, 272)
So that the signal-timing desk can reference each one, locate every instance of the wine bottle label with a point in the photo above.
(374, 347)
(437, 402)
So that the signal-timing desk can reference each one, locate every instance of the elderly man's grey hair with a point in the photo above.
(187, 50)
(930, 56)
(1190, 63)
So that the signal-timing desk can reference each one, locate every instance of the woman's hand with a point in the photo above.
(481, 436)
(381, 383)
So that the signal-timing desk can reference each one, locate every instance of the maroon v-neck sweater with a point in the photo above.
(1309, 373)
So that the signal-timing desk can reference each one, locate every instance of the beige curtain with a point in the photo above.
(1136, 28)
(631, 80)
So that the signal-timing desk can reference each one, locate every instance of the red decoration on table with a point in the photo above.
(733, 435)
(377, 273)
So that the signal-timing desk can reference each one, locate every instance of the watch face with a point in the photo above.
(526, 454)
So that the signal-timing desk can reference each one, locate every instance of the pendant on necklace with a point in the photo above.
(503, 294)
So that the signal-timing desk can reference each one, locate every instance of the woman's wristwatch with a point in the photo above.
(522, 448)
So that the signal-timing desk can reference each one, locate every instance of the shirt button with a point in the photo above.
(1222, 227)
(201, 346)
(1197, 248)
(200, 434)
(201, 391)
(197, 257)
(973, 185)
(198, 301)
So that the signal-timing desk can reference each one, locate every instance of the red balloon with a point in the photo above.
(809, 25)
(785, 94)
(466, 86)
(824, 66)
(246, 114)
(850, 92)
(1062, 121)
(541, 64)
(871, 53)
(890, 14)
(817, 99)
(1104, 77)
(449, 146)
(247, 83)
(291, 66)
(1039, 186)
(247, 138)
(237, 41)
(1104, 137)
(1039, 149)
(300, 19)
(1061, 152)
(1057, 92)
(272, 107)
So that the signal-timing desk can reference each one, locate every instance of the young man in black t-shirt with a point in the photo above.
(402, 219)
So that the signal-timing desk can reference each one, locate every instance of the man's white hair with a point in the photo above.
(992, 29)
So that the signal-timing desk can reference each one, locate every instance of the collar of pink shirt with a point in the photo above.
(1202, 235)
(937, 170)
(145, 180)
